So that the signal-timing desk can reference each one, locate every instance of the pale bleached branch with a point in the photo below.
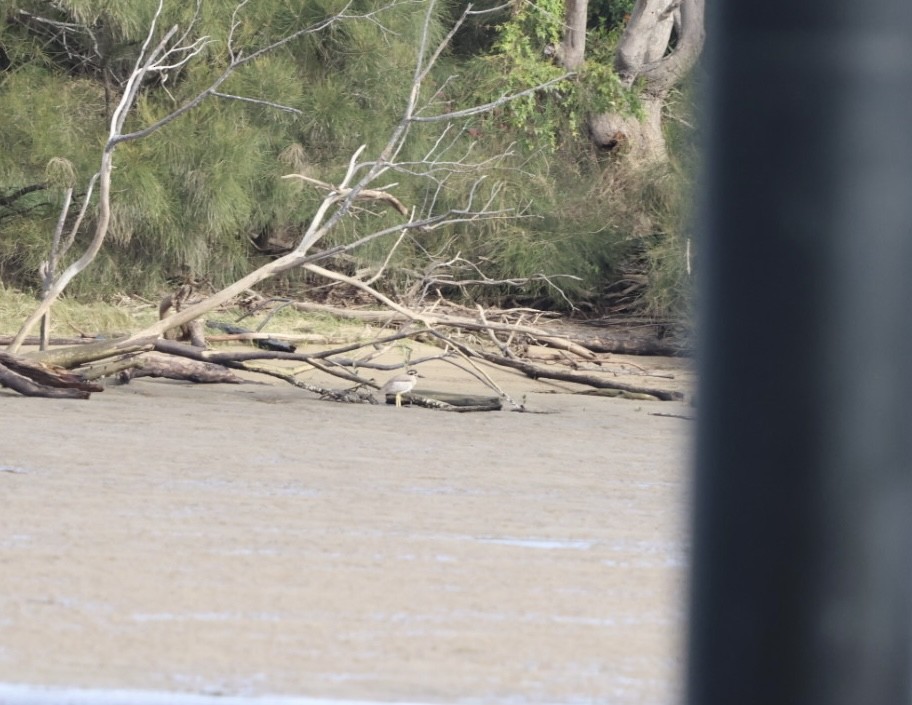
(352, 165)
(50, 265)
(493, 105)
(239, 59)
(71, 237)
(389, 255)
(197, 13)
(478, 200)
(443, 274)
(258, 101)
(420, 77)
(340, 192)
(189, 53)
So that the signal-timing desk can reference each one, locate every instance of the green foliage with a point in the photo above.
(189, 199)
(608, 14)
(666, 251)
(524, 55)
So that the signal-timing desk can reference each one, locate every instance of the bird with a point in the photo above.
(400, 384)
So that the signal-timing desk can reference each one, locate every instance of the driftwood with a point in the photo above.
(34, 340)
(536, 372)
(28, 388)
(511, 333)
(234, 359)
(41, 380)
(448, 401)
(155, 364)
(191, 330)
(293, 340)
(606, 341)
(355, 395)
(77, 355)
(434, 400)
(264, 342)
(332, 361)
(577, 339)
(355, 314)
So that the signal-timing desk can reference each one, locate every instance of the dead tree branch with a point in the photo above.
(358, 182)
(170, 53)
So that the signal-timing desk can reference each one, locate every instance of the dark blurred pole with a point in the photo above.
(802, 581)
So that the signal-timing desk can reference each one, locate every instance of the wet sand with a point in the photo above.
(251, 540)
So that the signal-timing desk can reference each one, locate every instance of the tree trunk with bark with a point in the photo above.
(573, 46)
(660, 45)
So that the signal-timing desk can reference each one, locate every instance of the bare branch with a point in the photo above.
(71, 237)
(258, 101)
(494, 104)
(389, 256)
(443, 44)
(239, 59)
(352, 163)
(13, 196)
(339, 200)
(139, 72)
(341, 192)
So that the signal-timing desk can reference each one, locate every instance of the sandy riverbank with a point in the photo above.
(246, 540)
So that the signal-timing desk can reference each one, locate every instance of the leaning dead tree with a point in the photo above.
(367, 179)
(173, 51)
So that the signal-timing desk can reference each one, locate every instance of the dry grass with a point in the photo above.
(124, 314)
(70, 317)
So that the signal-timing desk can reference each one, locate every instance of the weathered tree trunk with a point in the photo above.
(77, 355)
(537, 372)
(38, 380)
(660, 45)
(573, 46)
(641, 138)
(153, 364)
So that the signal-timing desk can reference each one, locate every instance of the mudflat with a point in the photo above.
(253, 539)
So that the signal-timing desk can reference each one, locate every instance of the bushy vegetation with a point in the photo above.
(204, 197)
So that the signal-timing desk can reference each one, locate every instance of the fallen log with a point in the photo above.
(448, 401)
(40, 380)
(623, 344)
(311, 338)
(153, 364)
(355, 395)
(263, 342)
(563, 337)
(355, 314)
(34, 340)
(536, 372)
(75, 356)
(28, 388)
(47, 375)
(233, 359)
(111, 367)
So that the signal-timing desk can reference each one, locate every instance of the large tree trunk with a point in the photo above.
(573, 46)
(660, 45)
(641, 138)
